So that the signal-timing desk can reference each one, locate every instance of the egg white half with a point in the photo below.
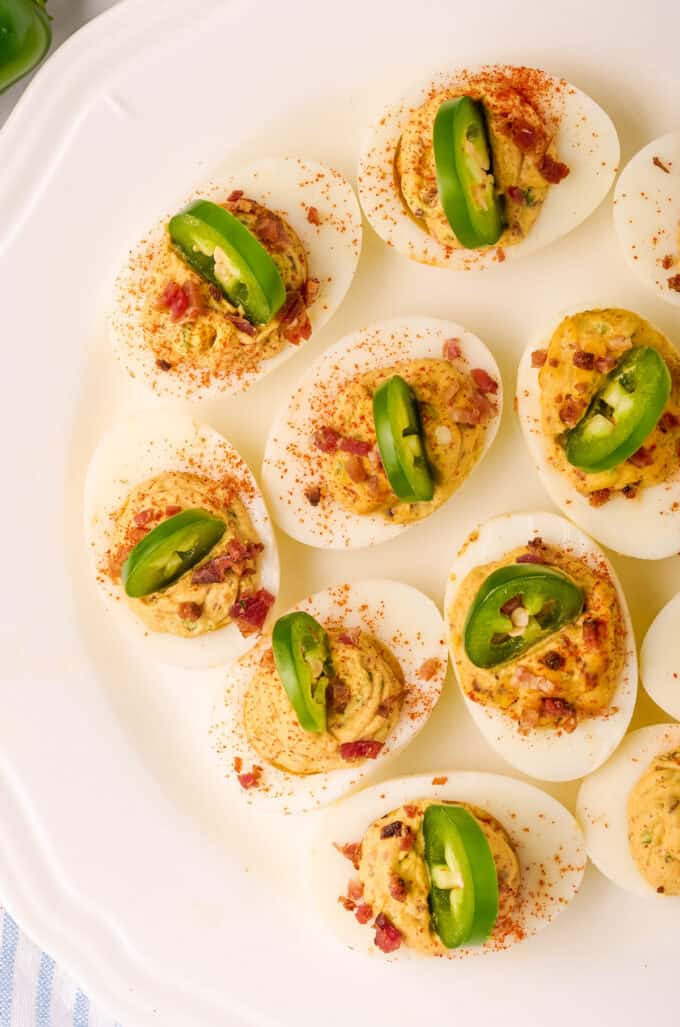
(291, 462)
(586, 141)
(601, 807)
(660, 658)
(289, 186)
(545, 836)
(647, 527)
(400, 617)
(546, 753)
(647, 214)
(141, 447)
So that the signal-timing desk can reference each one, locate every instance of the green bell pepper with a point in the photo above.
(463, 894)
(302, 657)
(400, 441)
(465, 180)
(222, 250)
(516, 607)
(25, 37)
(169, 550)
(622, 413)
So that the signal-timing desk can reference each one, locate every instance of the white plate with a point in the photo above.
(120, 852)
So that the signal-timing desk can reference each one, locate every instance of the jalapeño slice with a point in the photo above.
(516, 607)
(169, 550)
(622, 413)
(302, 657)
(400, 441)
(463, 878)
(222, 250)
(462, 157)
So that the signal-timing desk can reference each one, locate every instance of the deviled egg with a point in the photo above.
(660, 658)
(345, 680)
(222, 291)
(452, 865)
(647, 215)
(542, 644)
(180, 539)
(598, 397)
(475, 165)
(381, 431)
(630, 813)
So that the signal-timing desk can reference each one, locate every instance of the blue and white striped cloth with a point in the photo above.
(34, 992)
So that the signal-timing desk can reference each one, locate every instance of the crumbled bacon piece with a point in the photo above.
(355, 889)
(599, 497)
(348, 904)
(363, 913)
(192, 291)
(326, 439)
(351, 851)
(250, 610)
(190, 611)
(387, 936)
(484, 382)
(478, 411)
(530, 558)
(350, 637)
(271, 231)
(411, 809)
(429, 668)
(539, 357)
(215, 570)
(355, 469)
(516, 194)
(594, 633)
(643, 457)
(238, 764)
(524, 136)
(356, 446)
(569, 411)
(310, 290)
(313, 216)
(604, 364)
(667, 262)
(241, 324)
(175, 300)
(553, 171)
(142, 518)
(528, 718)
(630, 491)
(366, 748)
(674, 283)
(553, 660)
(392, 830)
(251, 779)
(397, 887)
(668, 421)
(560, 710)
(339, 695)
(583, 359)
(173, 509)
(451, 349)
(295, 323)
(407, 838)
(163, 365)
(234, 195)
(313, 495)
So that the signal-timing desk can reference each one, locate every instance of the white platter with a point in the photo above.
(120, 852)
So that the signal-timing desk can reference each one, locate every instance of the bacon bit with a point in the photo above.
(599, 497)
(525, 678)
(351, 851)
(529, 558)
(355, 889)
(192, 291)
(411, 809)
(170, 511)
(539, 357)
(429, 668)
(674, 283)
(516, 194)
(553, 171)
(484, 382)
(241, 324)
(451, 349)
(215, 571)
(364, 912)
(234, 195)
(642, 457)
(561, 710)
(356, 446)
(238, 764)
(175, 300)
(667, 262)
(668, 421)
(339, 695)
(594, 633)
(251, 780)
(294, 320)
(350, 637)
(529, 718)
(326, 439)
(250, 611)
(392, 830)
(348, 904)
(407, 840)
(190, 611)
(439, 780)
(365, 748)
(397, 887)
(313, 216)
(387, 936)
(142, 518)
(658, 163)
(604, 364)
(164, 365)
(630, 491)
(373, 486)
(355, 469)
(313, 495)
(584, 360)
(512, 604)
(479, 411)
(524, 136)
(271, 231)
(569, 411)
(553, 660)
(310, 290)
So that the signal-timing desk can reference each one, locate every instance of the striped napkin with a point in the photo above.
(34, 992)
